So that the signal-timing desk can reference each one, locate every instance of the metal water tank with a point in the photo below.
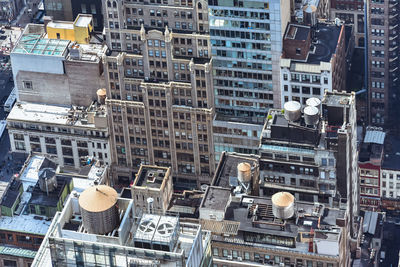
(311, 115)
(47, 180)
(314, 102)
(244, 172)
(283, 205)
(101, 96)
(292, 110)
(98, 209)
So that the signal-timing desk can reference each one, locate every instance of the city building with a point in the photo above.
(313, 61)
(351, 13)
(159, 89)
(383, 48)
(248, 230)
(312, 155)
(390, 174)
(29, 201)
(69, 10)
(369, 163)
(62, 78)
(153, 185)
(9, 10)
(77, 31)
(246, 39)
(69, 135)
(147, 240)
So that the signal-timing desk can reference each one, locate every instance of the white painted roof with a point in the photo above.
(25, 224)
(83, 21)
(55, 115)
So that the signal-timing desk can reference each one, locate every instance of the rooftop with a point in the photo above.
(61, 24)
(83, 20)
(391, 153)
(34, 41)
(298, 32)
(25, 223)
(54, 115)
(216, 198)
(256, 217)
(327, 36)
(324, 39)
(227, 168)
(148, 237)
(151, 176)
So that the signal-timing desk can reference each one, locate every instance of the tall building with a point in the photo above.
(311, 155)
(61, 111)
(62, 78)
(313, 61)
(69, 10)
(369, 163)
(383, 48)
(159, 88)
(90, 229)
(31, 198)
(70, 135)
(246, 38)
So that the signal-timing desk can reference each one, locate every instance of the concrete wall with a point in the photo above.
(84, 79)
(47, 88)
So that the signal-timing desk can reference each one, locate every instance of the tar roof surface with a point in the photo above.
(391, 159)
(327, 36)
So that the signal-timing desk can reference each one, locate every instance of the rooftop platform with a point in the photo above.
(151, 176)
(259, 226)
(391, 159)
(227, 167)
(54, 115)
(33, 41)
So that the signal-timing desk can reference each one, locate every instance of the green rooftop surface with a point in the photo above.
(34, 43)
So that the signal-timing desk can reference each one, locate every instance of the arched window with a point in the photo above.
(108, 3)
(114, 4)
(200, 6)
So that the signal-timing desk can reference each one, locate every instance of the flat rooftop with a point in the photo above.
(34, 41)
(49, 114)
(83, 20)
(256, 217)
(391, 158)
(151, 176)
(227, 168)
(327, 36)
(29, 223)
(216, 198)
(61, 24)
(297, 32)
(324, 40)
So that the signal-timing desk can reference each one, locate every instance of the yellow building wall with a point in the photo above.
(82, 34)
(65, 34)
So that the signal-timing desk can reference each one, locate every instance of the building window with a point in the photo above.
(215, 251)
(9, 263)
(247, 256)
(28, 84)
(83, 8)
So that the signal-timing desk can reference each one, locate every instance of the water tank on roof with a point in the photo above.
(98, 209)
(47, 180)
(244, 172)
(292, 110)
(101, 96)
(311, 115)
(314, 102)
(283, 205)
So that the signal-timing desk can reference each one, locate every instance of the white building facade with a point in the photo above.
(70, 136)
